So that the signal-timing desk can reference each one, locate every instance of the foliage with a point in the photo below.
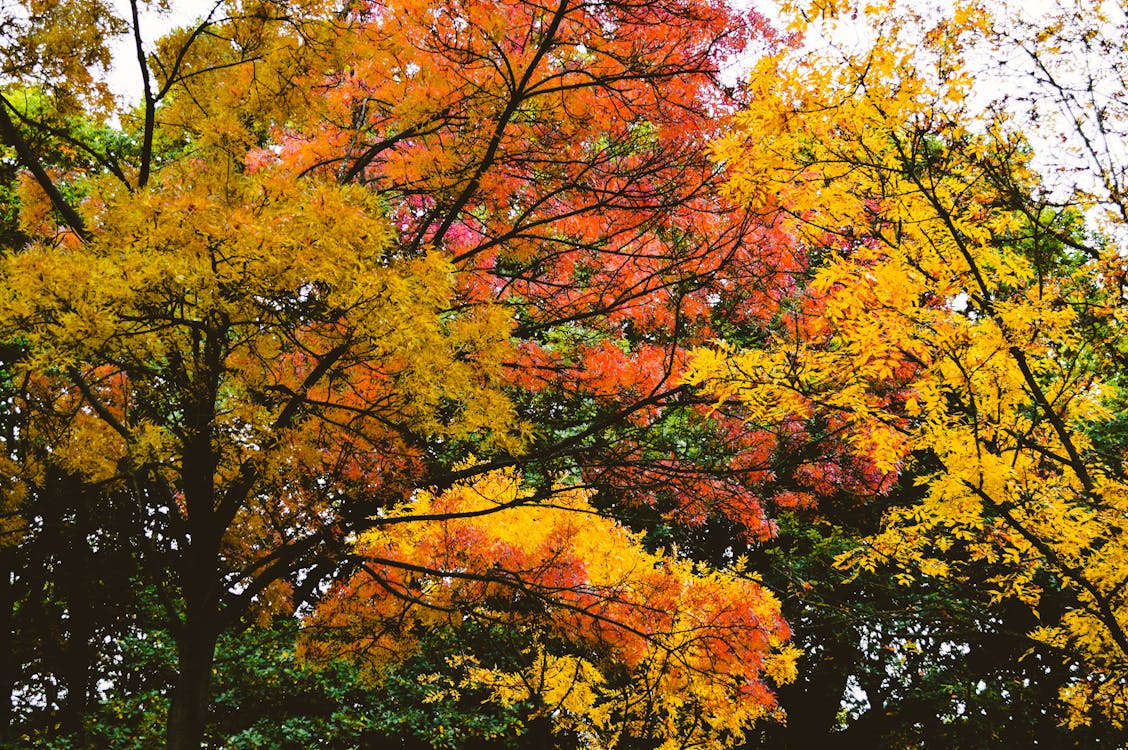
(583, 199)
(265, 696)
(376, 314)
(333, 252)
(615, 642)
(233, 350)
(932, 664)
(958, 316)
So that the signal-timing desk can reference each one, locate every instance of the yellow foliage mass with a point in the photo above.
(937, 325)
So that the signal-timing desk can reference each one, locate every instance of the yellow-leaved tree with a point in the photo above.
(240, 356)
(963, 319)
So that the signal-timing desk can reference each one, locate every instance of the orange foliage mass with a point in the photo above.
(656, 634)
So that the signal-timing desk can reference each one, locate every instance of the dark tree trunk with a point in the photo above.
(199, 570)
(188, 710)
(813, 701)
(76, 582)
(8, 668)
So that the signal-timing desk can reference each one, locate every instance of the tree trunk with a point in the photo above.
(813, 701)
(188, 710)
(199, 569)
(76, 581)
(8, 668)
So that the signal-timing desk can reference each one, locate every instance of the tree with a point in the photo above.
(933, 663)
(613, 643)
(289, 295)
(963, 326)
(560, 158)
(229, 353)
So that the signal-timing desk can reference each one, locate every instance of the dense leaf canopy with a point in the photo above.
(625, 374)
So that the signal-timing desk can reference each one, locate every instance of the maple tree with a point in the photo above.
(333, 253)
(963, 325)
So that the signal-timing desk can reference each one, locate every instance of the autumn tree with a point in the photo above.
(204, 342)
(613, 644)
(963, 326)
(333, 252)
(583, 199)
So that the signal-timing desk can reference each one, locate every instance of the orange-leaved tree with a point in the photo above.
(233, 353)
(558, 154)
(603, 640)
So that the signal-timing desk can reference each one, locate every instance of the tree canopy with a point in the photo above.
(454, 374)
